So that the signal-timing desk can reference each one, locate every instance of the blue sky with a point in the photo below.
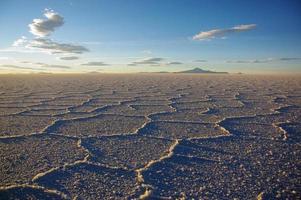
(150, 35)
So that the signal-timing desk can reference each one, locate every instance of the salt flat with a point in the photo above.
(150, 136)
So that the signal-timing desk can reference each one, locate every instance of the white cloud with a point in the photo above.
(19, 42)
(207, 35)
(44, 27)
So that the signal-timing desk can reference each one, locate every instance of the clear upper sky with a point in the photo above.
(150, 35)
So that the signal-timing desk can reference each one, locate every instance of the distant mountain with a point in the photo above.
(201, 71)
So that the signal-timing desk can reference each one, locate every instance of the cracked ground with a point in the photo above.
(146, 136)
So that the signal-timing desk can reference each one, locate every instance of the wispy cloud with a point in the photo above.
(44, 27)
(95, 64)
(174, 63)
(131, 64)
(154, 61)
(45, 65)
(200, 61)
(31, 62)
(4, 58)
(211, 34)
(19, 67)
(52, 47)
(147, 61)
(55, 66)
(267, 60)
(69, 58)
(289, 59)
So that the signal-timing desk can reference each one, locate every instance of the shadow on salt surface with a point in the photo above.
(86, 181)
(23, 158)
(31, 193)
(237, 128)
(293, 130)
(227, 168)
(175, 175)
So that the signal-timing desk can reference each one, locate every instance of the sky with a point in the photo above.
(125, 36)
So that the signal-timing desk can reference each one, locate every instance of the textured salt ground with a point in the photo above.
(193, 105)
(264, 112)
(45, 112)
(18, 104)
(188, 98)
(15, 125)
(22, 158)
(102, 125)
(137, 110)
(227, 102)
(65, 103)
(228, 168)
(151, 102)
(85, 108)
(187, 115)
(103, 102)
(86, 181)
(10, 111)
(45, 106)
(181, 130)
(79, 115)
(131, 152)
(241, 112)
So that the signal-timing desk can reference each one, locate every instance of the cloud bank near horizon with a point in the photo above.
(267, 60)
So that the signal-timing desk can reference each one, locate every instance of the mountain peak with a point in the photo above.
(199, 70)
